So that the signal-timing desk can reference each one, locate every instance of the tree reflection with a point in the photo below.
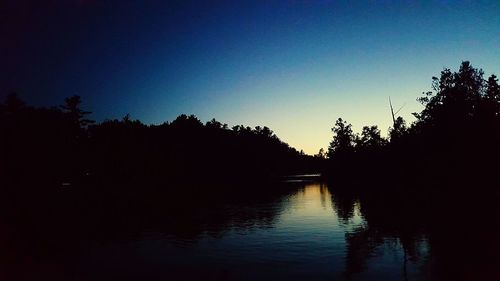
(343, 202)
(213, 213)
(182, 215)
(448, 237)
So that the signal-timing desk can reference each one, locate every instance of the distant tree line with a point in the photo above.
(60, 144)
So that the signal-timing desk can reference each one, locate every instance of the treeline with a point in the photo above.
(60, 145)
(454, 140)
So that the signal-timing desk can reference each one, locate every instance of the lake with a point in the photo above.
(282, 231)
(298, 235)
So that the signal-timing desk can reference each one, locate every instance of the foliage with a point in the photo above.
(69, 147)
(459, 125)
(370, 137)
(343, 140)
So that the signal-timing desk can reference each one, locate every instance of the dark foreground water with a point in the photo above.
(292, 231)
(298, 235)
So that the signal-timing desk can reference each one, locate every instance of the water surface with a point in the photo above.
(304, 232)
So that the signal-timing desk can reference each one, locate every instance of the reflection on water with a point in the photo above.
(292, 231)
(306, 233)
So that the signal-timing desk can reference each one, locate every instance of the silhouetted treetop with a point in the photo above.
(370, 137)
(185, 121)
(398, 130)
(13, 103)
(71, 107)
(214, 124)
(343, 139)
(456, 96)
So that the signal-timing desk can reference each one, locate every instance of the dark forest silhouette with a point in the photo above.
(59, 144)
(454, 139)
(65, 178)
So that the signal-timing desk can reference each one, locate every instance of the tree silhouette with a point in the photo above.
(321, 154)
(455, 99)
(214, 124)
(72, 108)
(370, 138)
(399, 130)
(13, 103)
(492, 97)
(343, 139)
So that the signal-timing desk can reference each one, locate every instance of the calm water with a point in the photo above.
(302, 232)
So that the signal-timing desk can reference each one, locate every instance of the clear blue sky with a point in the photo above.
(295, 66)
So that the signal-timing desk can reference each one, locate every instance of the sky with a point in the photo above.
(294, 66)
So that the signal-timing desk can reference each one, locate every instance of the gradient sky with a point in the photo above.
(295, 66)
